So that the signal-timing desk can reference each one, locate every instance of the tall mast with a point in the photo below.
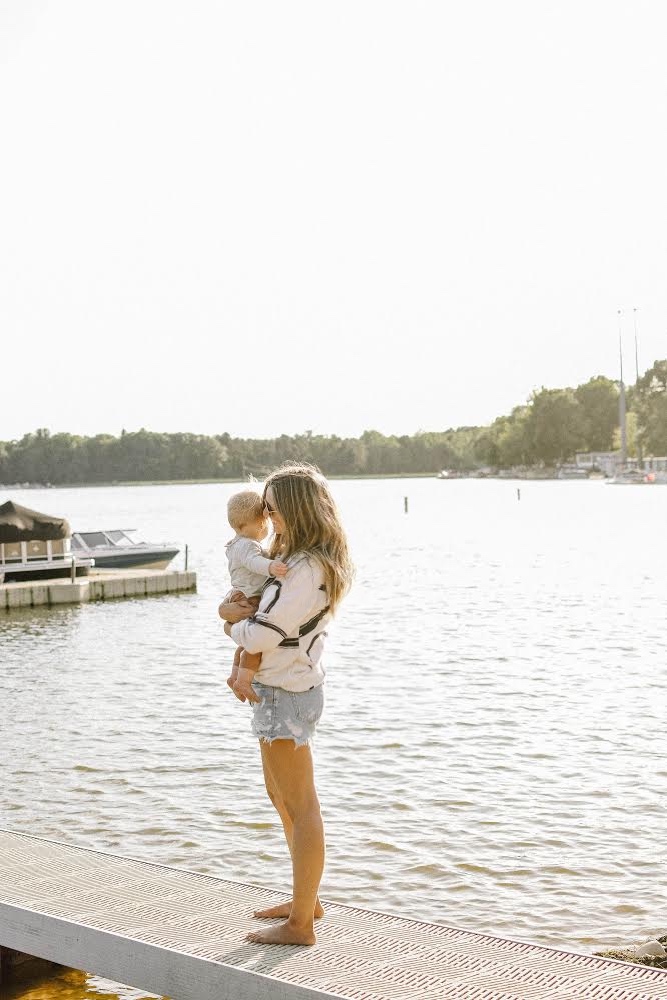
(637, 404)
(621, 400)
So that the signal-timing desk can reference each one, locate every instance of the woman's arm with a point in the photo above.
(237, 608)
(286, 604)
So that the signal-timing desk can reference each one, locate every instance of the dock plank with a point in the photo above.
(181, 934)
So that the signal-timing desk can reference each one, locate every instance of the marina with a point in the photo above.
(181, 934)
(321, 331)
(43, 563)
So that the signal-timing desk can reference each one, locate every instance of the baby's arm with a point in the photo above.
(251, 557)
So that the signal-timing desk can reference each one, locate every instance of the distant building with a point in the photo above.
(655, 464)
(605, 461)
(608, 462)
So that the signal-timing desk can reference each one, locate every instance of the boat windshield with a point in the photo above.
(107, 539)
(93, 539)
(121, 537)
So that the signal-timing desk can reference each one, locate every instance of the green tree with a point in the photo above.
(598, 401)
(4, 462)
(382, 453)
(651, 406)
(508, 442)
(555, 425)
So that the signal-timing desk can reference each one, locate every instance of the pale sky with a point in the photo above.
(264, 217)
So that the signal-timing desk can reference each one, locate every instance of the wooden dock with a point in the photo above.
(181, 934)
(99, 585)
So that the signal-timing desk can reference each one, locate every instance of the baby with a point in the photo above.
(248, 570)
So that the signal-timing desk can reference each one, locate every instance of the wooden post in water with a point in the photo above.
(186, 558)
(405, 504)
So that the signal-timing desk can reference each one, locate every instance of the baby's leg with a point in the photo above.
(248, 667)
(231, 680)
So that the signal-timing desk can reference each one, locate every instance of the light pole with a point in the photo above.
(640, 453)
(621, 401)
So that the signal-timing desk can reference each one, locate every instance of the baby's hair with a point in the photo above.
(244, 507)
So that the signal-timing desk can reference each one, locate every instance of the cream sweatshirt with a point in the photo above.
(288, 628)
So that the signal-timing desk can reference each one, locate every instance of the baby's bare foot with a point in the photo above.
(283, 934)
(244, 690)
(284, 910)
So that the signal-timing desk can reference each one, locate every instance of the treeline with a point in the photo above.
(557, 423)
(548, 429)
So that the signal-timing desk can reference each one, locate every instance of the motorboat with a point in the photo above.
(122, 549)
(451, 474)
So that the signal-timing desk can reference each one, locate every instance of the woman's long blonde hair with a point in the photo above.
(312, 525)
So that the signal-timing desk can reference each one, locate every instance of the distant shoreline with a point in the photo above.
(197, 482)
(544, 475)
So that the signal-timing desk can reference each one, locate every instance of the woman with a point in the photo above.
(288, 629)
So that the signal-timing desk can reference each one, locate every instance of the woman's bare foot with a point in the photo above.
(283, 934)
(284, 910)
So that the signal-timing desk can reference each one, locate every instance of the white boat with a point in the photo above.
(638, 477)
(451, 474)
(122, 549)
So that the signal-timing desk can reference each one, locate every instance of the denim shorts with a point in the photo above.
(286, 715)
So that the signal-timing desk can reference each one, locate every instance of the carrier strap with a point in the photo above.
(306, 628)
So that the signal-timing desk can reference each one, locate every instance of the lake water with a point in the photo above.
(493, 751)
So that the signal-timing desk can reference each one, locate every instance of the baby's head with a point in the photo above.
(245, 513)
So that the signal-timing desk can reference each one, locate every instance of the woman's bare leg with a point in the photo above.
(282, 909)
(291, 773)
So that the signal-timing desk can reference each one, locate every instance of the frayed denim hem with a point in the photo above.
(298, 742)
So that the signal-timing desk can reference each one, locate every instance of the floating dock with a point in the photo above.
(181, 934)
(99, 585)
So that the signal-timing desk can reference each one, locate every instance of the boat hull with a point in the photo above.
(120, 549)
(134, 560)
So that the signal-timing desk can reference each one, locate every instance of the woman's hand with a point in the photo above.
(235, 611)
